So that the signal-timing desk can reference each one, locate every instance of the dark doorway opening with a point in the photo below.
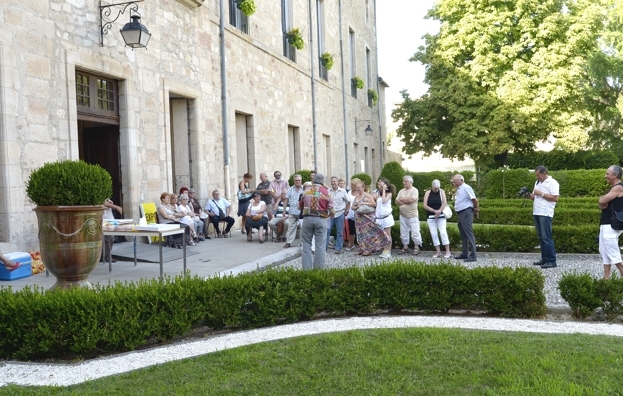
(99, 144)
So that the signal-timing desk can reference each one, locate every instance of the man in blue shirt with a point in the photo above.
(466, 206)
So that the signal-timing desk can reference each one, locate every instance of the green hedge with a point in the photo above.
(305, 176)
(121, 317)
(575, 183)
(423, 181)
(507, 238)
(585, 294)
(563, 203)
(562, 160)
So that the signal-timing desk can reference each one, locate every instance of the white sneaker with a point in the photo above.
(386, 255)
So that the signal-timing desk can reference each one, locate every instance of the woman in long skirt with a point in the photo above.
(370, 236)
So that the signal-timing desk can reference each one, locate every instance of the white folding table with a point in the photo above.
(159, 233)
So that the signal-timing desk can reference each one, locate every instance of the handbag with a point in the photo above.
(243, 197)
(257, 217)
(447, 212)
(365, 209)
(616, 221)
(280, 227)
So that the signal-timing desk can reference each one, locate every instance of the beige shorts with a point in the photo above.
(609, 245)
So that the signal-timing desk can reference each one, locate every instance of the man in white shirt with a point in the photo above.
(290, 213)
(218, 209)
(466, 206)
(341, 205)
(545, 195)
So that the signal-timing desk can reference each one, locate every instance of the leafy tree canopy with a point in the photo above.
(502, 76)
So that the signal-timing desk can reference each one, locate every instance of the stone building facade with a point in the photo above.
(154, 118)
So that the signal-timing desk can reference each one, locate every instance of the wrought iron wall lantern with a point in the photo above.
(368, 130)
(135, 35)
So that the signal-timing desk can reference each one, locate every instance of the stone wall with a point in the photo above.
(44, 42)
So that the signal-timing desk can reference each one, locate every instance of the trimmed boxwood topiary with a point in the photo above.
(305, 174)
(363, 177)
(69, 183)
(394, 173)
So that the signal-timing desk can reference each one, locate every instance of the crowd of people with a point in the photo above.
(366, 216)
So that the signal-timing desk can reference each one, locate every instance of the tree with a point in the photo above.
(502, 76)
(603, 90)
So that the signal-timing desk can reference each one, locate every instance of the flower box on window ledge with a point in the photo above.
(246, 6)
(295, 38)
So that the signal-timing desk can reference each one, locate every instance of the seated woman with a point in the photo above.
(166, 215)
(190, 218)
(257, 217)
(184, 219)
(203, 216)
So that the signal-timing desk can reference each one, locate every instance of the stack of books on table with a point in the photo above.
(157, 227)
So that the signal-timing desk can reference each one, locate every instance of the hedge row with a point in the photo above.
(576, 183)
(505, 238)
(562, 160)
(563, 202)
(585, 294)
(122, 317)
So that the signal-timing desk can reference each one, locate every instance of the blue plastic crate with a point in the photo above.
(24, 271)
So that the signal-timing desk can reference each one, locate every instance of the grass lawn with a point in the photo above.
(383, 362)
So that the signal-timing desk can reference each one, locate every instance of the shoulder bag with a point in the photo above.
(243, 197)
(365, 209)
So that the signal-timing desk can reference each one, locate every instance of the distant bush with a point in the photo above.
(394, 173)
(363, 177)
(305, 174)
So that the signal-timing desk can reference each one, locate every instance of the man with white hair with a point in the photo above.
(466, 207)
(608, 237)
(407, 200)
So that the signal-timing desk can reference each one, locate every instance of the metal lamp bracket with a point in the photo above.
(106, 20)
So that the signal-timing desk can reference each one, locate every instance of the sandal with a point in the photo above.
(287, 245)
(404, 250)
(261, 240)
(416, 251)
(437, 255)
(366, 254)
(219, 235)
(249, 238)
(242, 231)
(277, 240)
(225, 236)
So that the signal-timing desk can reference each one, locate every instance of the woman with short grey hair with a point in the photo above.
(434, 203)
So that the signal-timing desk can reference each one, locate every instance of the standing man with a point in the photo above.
(609, 237)
(317, 206)
(406, 200)
(265, 191)
(466, 207)
(279, 186)
(291, 201)
(218, 209)
(341, 204)
(545, 195)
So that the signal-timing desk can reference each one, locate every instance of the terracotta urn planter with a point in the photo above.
(70, 241)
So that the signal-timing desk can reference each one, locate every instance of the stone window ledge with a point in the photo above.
(191, 3)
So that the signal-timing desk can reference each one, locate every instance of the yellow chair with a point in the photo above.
(148, 211)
